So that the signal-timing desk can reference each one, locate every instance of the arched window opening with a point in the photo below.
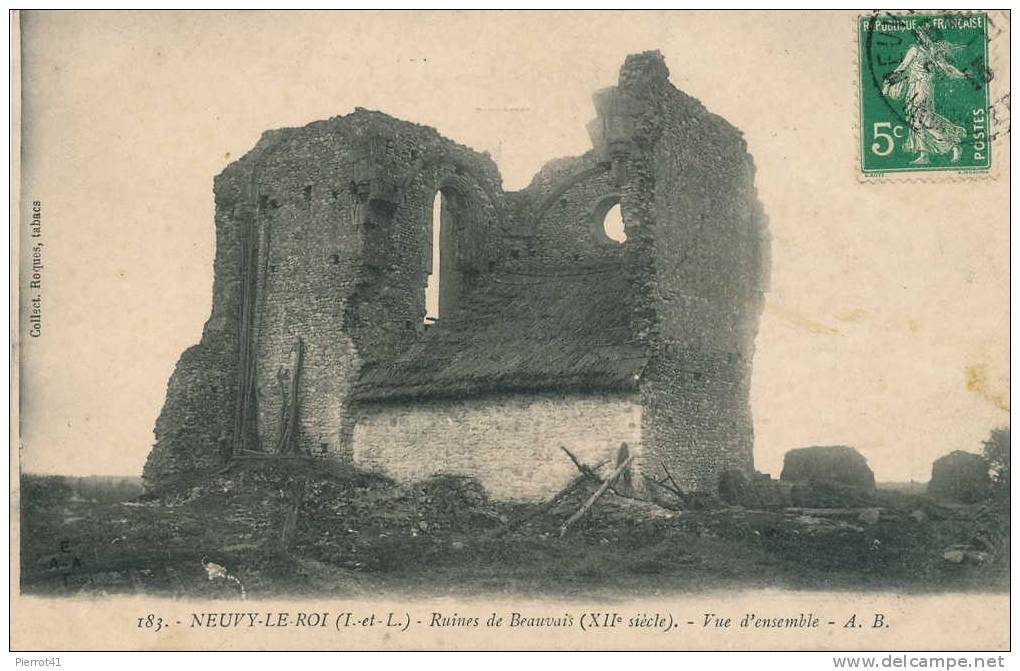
(435, 262)
(612, 225)
(442, 260)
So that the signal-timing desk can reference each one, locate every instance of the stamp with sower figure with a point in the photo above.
(924, 100)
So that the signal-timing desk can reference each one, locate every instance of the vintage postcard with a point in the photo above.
(516, 330)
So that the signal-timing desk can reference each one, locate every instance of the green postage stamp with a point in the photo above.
(924, 101)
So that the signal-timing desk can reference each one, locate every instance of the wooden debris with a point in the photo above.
(295, 495)
(586, 470)
(606, 484)
(540, 510)
(591, 472)
(586, 473)
(286, 444)
(247, 389)
(676, 488)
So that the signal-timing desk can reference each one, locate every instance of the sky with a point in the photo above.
(886, 326)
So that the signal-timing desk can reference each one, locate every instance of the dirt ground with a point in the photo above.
(293, 529)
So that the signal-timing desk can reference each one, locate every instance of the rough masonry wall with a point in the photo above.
(509, 442)
(700, 254)
(309, 248)
(337, 216)
(344, 215)
(197, 415)
(397, 266)
(568, 200)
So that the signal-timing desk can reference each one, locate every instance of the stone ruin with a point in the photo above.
(545, 332)
(960, 476)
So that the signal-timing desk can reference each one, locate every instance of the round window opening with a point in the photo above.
(612, 224)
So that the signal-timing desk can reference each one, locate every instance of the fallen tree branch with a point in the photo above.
(663, 485)
(591, 472)
(585, 469)
(669, 484)
(678, 506)
(676, 488)
(606, 484)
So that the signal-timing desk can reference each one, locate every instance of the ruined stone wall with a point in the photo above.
(568, 202)
(308, 255)
(335, 219)
(198, 412)
(338, 213)
(509, 442)
(347, 231)
(391, 298)
(698, 251)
